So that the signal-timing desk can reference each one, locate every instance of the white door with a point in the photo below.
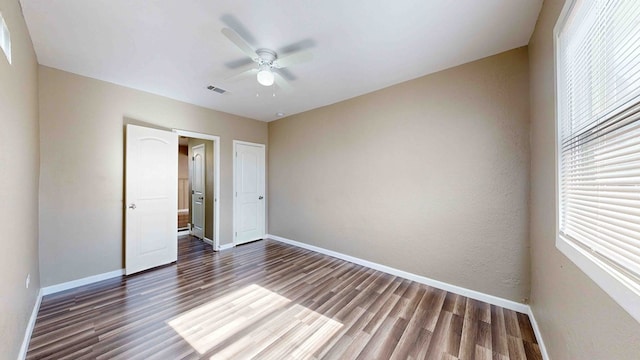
(249, 187)
(197, 190)
(151, 199)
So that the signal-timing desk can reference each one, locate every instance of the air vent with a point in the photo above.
(216, 89)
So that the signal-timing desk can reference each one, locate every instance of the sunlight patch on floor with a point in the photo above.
(254, 320)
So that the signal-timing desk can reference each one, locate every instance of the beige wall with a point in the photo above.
(428, 176)
(81, 183)
(208, 184)
(578, 320)
(18, 183)
(183, 162)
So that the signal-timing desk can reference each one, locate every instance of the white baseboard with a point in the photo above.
(208, 241)
(494, 300)
(81, 282)
(473, 294)
(30, 325)
(536, 330)
(226, 246)
(507, 304)
(184, 232)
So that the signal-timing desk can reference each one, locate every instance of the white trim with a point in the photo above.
(81, 282)
(182, 211)
(536, 330)
(494, 300)
(226, 246)
(473, 294)
(596, 270)
(184, 232)
(216, 177)
(30, 325)
(556, 88)
(5, 39)
(512, 305)
(208, 241)
(264, 190)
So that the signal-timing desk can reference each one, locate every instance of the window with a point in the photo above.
(598, 125)
(5, 39)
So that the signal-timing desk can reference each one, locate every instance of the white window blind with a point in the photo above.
(598, 63)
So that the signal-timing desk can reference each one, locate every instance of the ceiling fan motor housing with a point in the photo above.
(266, 57)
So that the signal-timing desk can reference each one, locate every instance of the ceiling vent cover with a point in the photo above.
(216, 89)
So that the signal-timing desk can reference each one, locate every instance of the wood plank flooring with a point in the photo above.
(267, 300)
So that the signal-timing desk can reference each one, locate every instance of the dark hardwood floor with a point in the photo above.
(268, 300)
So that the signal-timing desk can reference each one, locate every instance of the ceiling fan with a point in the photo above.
(267, 61)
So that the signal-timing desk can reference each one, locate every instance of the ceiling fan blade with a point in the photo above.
(295, 58)
(239, 42)
(282, 82)
(286, 74)
(243, 74)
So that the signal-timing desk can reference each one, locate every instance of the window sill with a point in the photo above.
(608, 278)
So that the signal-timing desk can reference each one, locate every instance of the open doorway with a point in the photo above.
(183, 186)
(198, 186)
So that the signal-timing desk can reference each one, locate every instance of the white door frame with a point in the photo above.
(264, 203)
(216, 179)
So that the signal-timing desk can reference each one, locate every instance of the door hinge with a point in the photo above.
(192, 192)
(193, 158)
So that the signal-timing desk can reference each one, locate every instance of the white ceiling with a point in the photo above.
(175, 48)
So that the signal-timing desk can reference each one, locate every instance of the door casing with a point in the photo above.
(216, 180)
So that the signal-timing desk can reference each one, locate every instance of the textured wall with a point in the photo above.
(18, 183)
(577, 319)
(429, 176)
(82, 162)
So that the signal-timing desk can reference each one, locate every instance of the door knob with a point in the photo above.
(132, 206)
(260, 197)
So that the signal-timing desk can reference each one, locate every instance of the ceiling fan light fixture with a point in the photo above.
(265, 76)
